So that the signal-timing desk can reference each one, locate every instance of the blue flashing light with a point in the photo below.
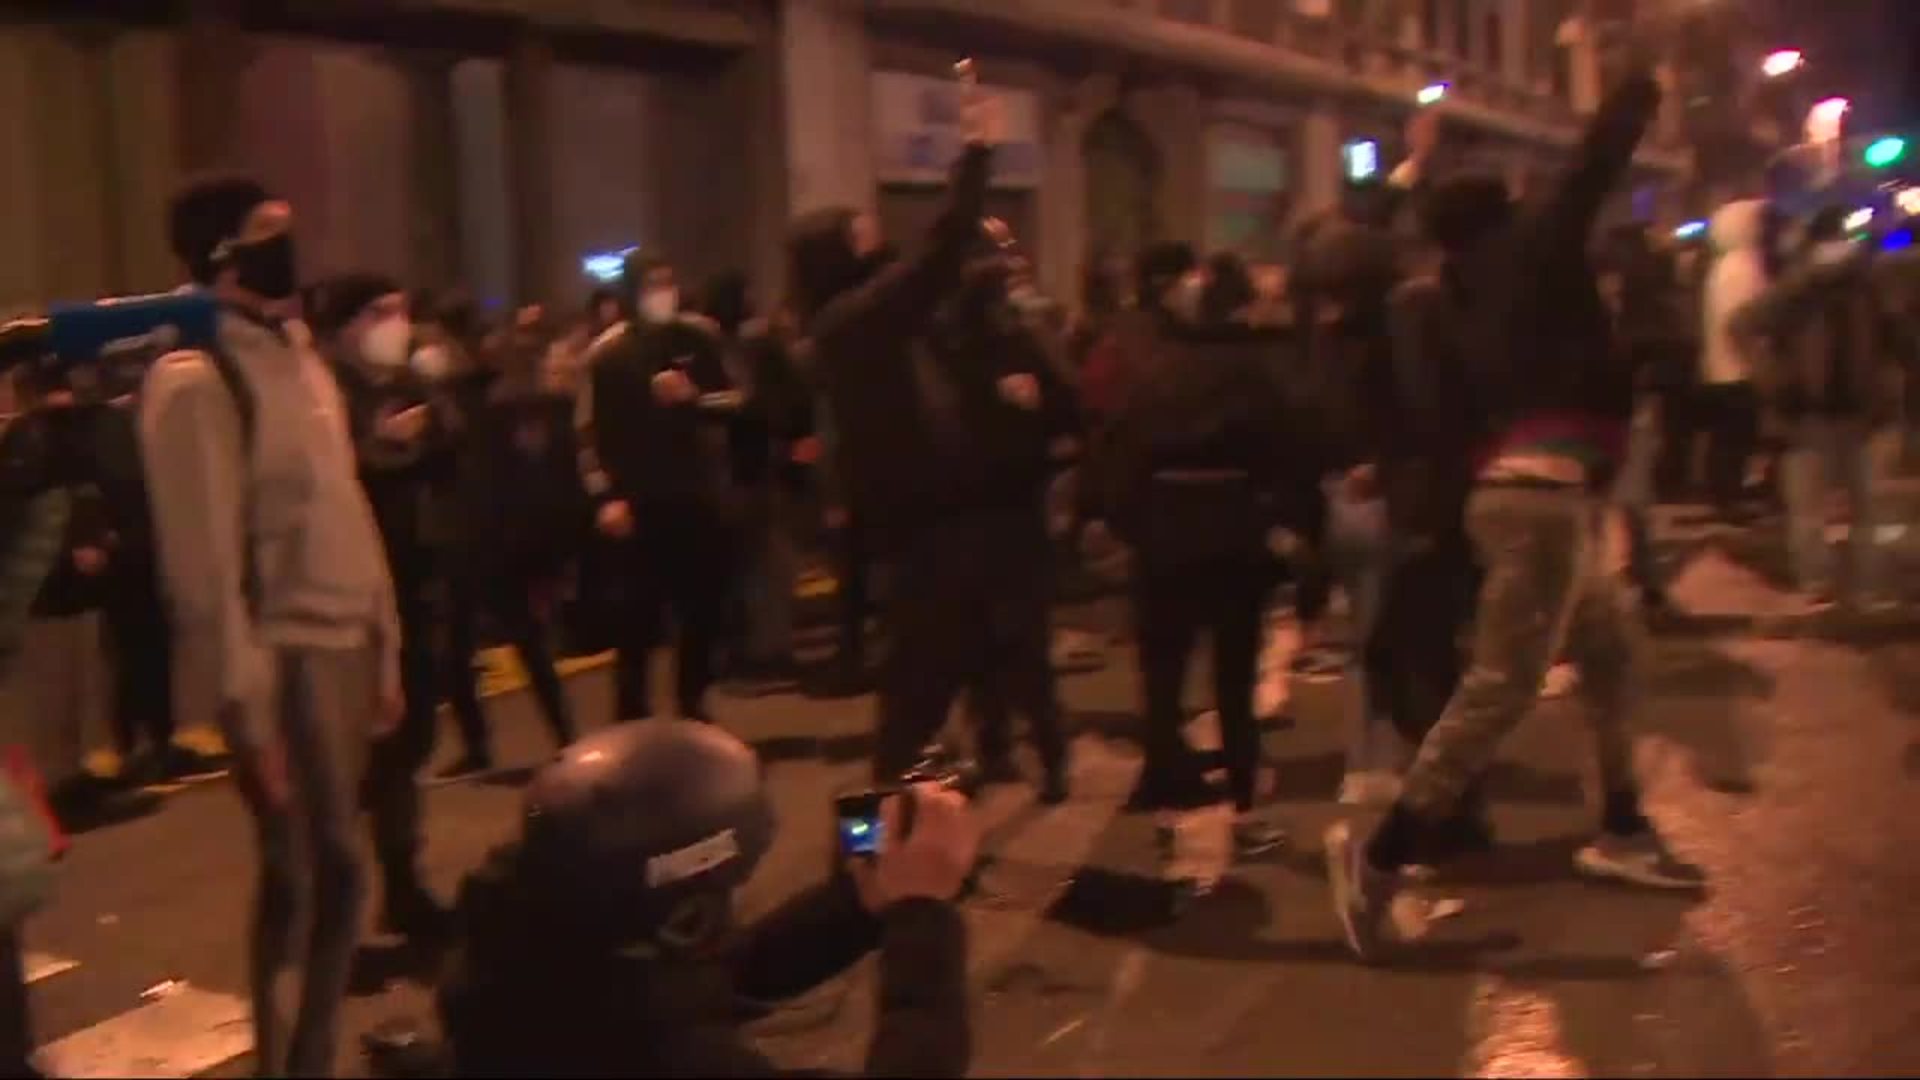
(607, 267)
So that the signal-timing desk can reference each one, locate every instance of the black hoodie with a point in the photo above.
(904, 433)
(1533, 328)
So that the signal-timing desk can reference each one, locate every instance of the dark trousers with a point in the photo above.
(1175, 604)
(964, 595)
(507, 595)
(1730, 416)
(856, 600)
(1413, 655)
(679, 562)
(16, 1027)
(390, 791)
(141, 644)
(1016, 675)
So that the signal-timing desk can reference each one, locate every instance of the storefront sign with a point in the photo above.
(916, 131)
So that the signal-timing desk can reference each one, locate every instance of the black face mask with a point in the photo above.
(266, 268)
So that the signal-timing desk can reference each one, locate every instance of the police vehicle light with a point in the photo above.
(1859, 219)
(1885, 151)
(1898, 240)
(1431, 94)
(606, 267)
(1362, 159)
(1690, 230)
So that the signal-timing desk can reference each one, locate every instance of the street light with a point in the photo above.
(1782, 63)
(1431, 94)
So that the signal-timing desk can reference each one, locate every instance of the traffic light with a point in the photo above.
(1884, 152)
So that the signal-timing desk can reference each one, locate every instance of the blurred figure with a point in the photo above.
(516, 517)
(1203, 474)
(276, 572)
(1727, 408)
(1553, 404)
(659, 470)
(364, 327)
(775, 413)
(1829, 357)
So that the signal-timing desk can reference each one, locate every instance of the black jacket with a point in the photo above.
(1209, 400)
(904, 450)
(519, 1000)
(1533, 327)
(517, 505)
(649, 452)
(92, 452)
(405, 483)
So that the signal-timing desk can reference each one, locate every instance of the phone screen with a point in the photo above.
(860, 835)
(857, 820)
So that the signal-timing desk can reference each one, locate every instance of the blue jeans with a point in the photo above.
(1821, 453)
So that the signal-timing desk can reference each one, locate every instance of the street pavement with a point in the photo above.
(1781, 753)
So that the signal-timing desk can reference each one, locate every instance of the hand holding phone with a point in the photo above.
(923, 844)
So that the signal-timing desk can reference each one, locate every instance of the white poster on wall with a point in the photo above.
(916, 131)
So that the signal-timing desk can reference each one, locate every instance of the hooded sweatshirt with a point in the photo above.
(291, 509)
(1738, 277)
(1528, 305)
(902, 445)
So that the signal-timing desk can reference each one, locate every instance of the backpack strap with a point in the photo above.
(246, 408)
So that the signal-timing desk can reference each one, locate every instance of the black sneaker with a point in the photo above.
(1641, 859)
(181, 764)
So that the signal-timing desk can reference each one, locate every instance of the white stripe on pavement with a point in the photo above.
(179, 1034)
(35, 966)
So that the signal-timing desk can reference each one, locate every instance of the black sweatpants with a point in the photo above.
(141, 645)
(506, 593)
(967, 605)
(1017, 675)
(679, 562)
(1175, 603)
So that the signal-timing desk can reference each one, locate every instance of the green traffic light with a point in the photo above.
(1884, 152)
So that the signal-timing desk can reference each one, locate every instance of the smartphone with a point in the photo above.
(857, 821)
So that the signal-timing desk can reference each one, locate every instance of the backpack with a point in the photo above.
(246, 409)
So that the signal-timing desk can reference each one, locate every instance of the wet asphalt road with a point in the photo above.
(1782, 755)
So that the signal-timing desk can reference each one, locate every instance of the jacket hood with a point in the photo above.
(1738, 226)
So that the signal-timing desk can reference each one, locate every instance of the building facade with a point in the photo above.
(503, 143)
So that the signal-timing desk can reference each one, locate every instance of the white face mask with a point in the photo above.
(431, 362)
(660, 305)
(385, 342)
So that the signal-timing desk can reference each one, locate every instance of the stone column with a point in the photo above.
(1062, 197)
(1320, 163)
(529, 108)
(435, 198)
(213, 56)
(826, 73)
